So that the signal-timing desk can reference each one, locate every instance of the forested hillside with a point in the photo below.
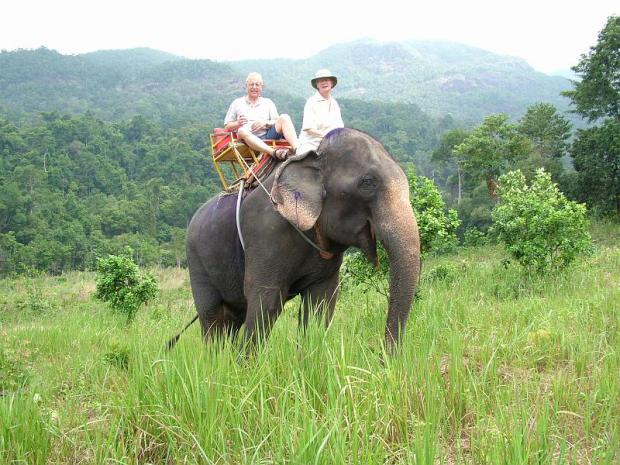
(74, 188)
(116, 85)
(440, 77)
(173, 92)
(111, 148)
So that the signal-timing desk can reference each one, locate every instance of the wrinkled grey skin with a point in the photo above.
(353, 190)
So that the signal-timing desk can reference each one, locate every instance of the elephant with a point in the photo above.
(348, 192)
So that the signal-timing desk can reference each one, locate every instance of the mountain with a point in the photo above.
(121, 153)
(115, 85)
(131, 58)
(440, 77)
(565, 73)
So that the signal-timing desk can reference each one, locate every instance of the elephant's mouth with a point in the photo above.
(367, 243)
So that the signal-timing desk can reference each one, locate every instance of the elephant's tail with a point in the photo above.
(172, 342)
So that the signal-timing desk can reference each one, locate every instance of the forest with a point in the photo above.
(101, 169)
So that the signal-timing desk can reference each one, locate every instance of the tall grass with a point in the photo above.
(496, 367)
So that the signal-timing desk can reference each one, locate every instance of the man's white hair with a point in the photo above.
(254, 76)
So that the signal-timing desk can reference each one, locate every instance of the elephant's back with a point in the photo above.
(212, 209)
(212, 233)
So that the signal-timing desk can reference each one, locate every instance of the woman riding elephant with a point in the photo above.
(321, 112)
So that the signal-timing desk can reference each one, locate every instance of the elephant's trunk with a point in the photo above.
(397, 229)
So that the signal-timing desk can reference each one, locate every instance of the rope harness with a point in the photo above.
(322, 252)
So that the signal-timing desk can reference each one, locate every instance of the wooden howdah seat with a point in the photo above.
(228, 150)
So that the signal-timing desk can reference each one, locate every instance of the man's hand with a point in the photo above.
(241, 120)
(258, 125)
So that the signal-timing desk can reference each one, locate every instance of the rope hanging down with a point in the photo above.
(324, 253)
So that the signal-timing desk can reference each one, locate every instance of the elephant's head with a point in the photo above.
(353, 190)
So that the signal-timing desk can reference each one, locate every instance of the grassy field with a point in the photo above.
(497, 367)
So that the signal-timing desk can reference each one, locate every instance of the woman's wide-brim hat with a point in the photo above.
(322, 74)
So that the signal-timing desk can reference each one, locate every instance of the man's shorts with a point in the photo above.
(272, 134)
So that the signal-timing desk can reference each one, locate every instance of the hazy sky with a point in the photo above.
(550, 35)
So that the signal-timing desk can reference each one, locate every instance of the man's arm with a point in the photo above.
(235, 124)
(234, 120)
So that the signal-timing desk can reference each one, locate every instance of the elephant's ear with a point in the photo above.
(298, 190)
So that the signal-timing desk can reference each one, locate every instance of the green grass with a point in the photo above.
(496, 367)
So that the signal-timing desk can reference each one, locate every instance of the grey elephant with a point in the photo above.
(345, 194)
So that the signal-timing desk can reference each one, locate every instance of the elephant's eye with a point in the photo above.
(367, 186)
(367, 183)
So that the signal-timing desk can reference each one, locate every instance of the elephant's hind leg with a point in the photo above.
(230, 320)
(209, 305)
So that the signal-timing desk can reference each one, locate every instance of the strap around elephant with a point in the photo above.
(238, 216)
(323, 253)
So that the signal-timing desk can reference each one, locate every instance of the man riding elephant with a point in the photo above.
(255, 118)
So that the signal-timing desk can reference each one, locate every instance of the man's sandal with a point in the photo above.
(280, 154)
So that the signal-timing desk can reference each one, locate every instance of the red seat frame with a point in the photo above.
(227, 148)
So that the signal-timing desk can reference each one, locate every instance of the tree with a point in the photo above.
(596, 155)
(548, 130)
(597, 94)
(119, 282)
(176, 245)
(596, 151)
(549, 133)
(12, 203)
(491, 148)
(446, 154)
(541, 229)
(436, 223)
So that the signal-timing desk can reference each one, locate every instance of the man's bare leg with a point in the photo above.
(284, 125)
(255, 142)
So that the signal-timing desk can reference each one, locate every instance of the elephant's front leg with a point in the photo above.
(321, 298)
(264, 306)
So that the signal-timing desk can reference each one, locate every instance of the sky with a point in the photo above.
(550, 35)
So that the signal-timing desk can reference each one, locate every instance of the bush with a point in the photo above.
(437, 224)
(119, 283)
(356, 270)
(474, 237)
(446, 273)
(541, 229)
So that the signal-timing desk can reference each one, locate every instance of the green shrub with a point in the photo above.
(446, 273)
(117, 355)
(437, 224)
(120, 284)
(473, 237)
(34, 301)
(541, 229)
(356, 270)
